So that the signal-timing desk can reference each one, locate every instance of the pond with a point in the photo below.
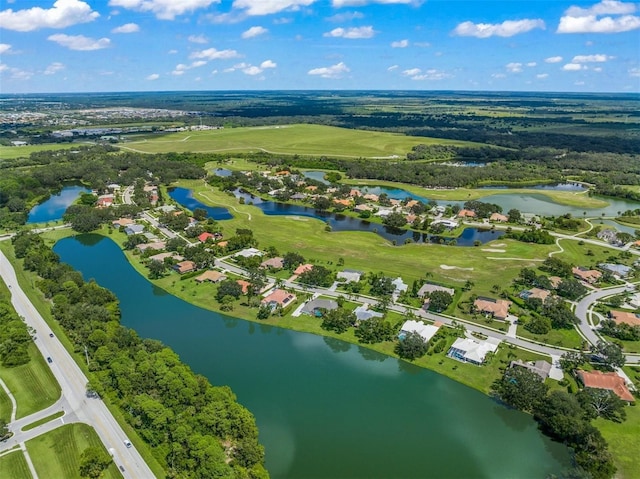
(326, 408)
(53, 208)
(185, 197)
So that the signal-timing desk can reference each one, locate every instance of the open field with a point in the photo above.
(14, 466)
(12, 152)
(32, 384)
(57, 453)
(289, 140)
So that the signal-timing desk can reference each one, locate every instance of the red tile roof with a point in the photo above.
(609, 381)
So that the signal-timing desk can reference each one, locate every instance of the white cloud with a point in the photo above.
(268, 64)
(267, 7)
(400, 44)
(163, 9)
(126, 28)
(507, 28)
(153, 76)
(198, 39)
(557, 59)
(252, 70)
(532, 64)
(213, 54)
(54, 68)
(579, 83)
(64, 13)
(334, 71)
(498, 75)
(351, 33)
(597, 69)
(198, 63)
(254, 32)
(599, 58)
(514, 67)
(573, 67)
(392, 67)
(634, 72)
(432, 74)
(542, 76)
(345, 17)
(354, 3)
(173, 51)
(4, 48)
(591, 20)
(411, 72)
(79, 42)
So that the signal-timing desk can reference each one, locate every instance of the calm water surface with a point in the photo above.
(325, 408)
(53, 208)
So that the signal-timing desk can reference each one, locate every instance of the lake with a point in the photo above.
(53, 208)
(185, 197)
(326, 408)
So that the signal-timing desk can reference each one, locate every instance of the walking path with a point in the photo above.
(14, 406)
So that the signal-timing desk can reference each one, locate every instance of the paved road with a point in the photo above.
(77, 406)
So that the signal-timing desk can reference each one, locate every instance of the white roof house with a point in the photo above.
(363, 313)
(472, 350)
(249, 252)
(427, 331)
(399, 285)
(349, 275)
(430, 288)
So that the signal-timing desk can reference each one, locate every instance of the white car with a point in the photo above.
(127, 442)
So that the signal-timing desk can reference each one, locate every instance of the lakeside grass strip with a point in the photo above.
(44, 420)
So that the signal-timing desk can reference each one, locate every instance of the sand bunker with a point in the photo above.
(446, 266)
(493, 250)
(497, 245)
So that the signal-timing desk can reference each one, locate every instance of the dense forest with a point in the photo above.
(194, 429)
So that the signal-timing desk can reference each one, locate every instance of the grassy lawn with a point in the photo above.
(624, 442)
(5, 406)
(57, 453)
(44, 420)
(14, 466)
(289, 140)
(566, 338)
(32, 384)
(13, 152)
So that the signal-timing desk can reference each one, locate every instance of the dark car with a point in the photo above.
(49, 360)
(51, 335)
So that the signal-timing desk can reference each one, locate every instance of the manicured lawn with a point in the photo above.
(57, 453)
(13, 152)
(14, 466)
(288, 139)
(32, 384)
(566, 338)
(44, 420)
(5, 406)
(624, 442)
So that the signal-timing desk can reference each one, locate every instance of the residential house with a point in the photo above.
(466, 214)
(273, 263)
(349, 275)
(609, 381)
(428, 288)
(399, 285)
(371, 197)
(555, 281)
(610, 236)
(588, 275)
(279, 297)
(540, 367)
(426, 331)
(363, 207)
(539, 293)
(303, 268)
(203, 237)
(155, 246)
(121, 222)
(162, 256)
(248, 252)
(355, 193)
(500, 218)
(451, 224)
(298, 196)
(184, 267)
(498, 308)
(625, 317)
(134, 229)
(316, 306)
(363, 313)
(244, 284)
(473, 350)
(343, 202)
(105, 201)
(617, 269)
(211, 276)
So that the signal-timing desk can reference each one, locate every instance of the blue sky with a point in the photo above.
(146, 45)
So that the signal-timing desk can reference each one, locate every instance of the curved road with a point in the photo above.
(77, 407)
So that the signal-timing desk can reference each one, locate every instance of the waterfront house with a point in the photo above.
(498, 308)
(609, 381)
(363, 313)
(540, 367)
(211, 276)
(472, 350)
(279, 297)
(184, 267)
(499, 218)
(466, 214)
(121, 222)
(134, 229)
(162, 256)
(316, 306)
(426, 331)
(155, 246)
(244, 285)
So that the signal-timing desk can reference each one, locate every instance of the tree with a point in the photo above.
(200, 214)
(521, 388)
(571, 288)
(292, 260)
(395, 220)
(4, 429)
(439, 300)
(322, 203)
(93, 461)
(229, 287)
(316, 276)
(412, 346)
(156, 269)
(514, 215)
(374, 330)
(611, 354)
(338, 320)
(572, 360)
(602, 403)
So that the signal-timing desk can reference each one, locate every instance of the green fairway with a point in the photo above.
(32, 384)
(57, 453)
(288, 139)
(14, 466)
